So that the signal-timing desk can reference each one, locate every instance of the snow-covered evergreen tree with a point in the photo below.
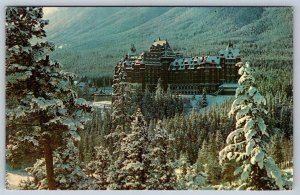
(212, 167)
(160, 102)
(159, 91)
(202, 156)
(118, 100)
(39, 94)
(203, 101)
(68, 168)
(98, 168)
(148, 108)
(187, 176)
(68, 171)
(121, 106)
(247, 144)
(162, 174)
(130, 170)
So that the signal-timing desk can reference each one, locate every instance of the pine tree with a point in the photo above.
(40, 95)
(119, 100)
(212, 167)
(130, 170)
(219, 141)
(121, 103)
(159, 91)
(276, 149)
(203, 102)
(187, 176)
(227, 171)
(148, 105)
(162, 175)
(202, 157)
(287, 151)
(247, 144)
(98, 168)
(159, 100)
(68, 171)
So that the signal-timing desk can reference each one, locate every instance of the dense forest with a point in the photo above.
(92, 47)
(146, 141)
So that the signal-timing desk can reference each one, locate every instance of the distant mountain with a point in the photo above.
(92, 39)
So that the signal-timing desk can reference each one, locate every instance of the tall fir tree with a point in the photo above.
(121, 103)
(247, 144)
(162, 174)
(118, 100)
(39, 94)
(213, 169)
(159, 91)
(203, 101)
(98, 168)
(159, 98)
(202, 156)
(147, 107)
(276, 150)
(130, 170)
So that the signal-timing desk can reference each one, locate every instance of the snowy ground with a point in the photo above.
(14, 178)
(102, 104)
(191, 102)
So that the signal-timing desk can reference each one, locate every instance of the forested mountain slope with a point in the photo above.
(92, 39)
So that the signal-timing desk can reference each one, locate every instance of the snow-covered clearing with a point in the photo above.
(191, 101)
(14, 178)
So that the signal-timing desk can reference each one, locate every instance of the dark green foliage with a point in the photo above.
(228, 169)
(276, 150)
(196, 128)
(131, 168)
(208, 158)
(281, 150)
(162, 172)
(160, 104)
(264, 34)
(95, 134)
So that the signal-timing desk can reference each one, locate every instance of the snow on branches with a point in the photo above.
(247, 144)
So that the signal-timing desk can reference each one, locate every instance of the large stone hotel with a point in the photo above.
(184, 75)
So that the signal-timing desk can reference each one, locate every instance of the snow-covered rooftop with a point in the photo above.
(159, 42)
(213, 59)
(181, 63)
(230, 53)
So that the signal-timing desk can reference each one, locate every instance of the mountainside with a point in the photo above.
(91, 40)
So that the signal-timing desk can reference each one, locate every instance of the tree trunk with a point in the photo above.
(49, 162)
